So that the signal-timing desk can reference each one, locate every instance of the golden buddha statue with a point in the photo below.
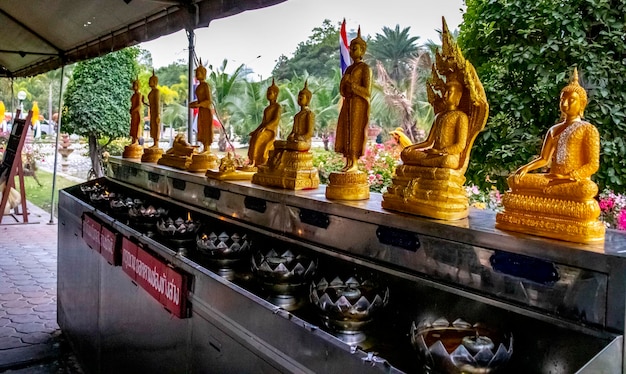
(351, 135)
(559, 203)
(154, 153)
(262, 139)
(205, 159)
(430, 180)
(134, 150)
(179, 156)
(290, 163)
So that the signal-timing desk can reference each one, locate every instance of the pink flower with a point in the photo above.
(606, 204)
(621, 220)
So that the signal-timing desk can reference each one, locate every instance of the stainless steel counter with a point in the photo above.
(564, 302)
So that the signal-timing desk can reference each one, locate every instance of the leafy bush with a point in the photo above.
(524, 53)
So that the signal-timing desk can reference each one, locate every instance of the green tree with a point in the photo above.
(316, 56)
(97, 99)
(170, 74)
(524, 53)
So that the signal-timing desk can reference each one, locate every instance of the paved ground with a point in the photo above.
(30, 339)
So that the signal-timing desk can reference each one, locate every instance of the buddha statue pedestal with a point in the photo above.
(551, 217)
(152, 154)
(428, 191)
(348, 186)
(201, 162)
(132, 151)
(287, 169)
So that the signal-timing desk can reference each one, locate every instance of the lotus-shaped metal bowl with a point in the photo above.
(348, 306)
(177, 229)
(460, 347)
(224, 249)
(283, 273)
(100, 198)
(88, 189)
(120, 204)
(147, 214)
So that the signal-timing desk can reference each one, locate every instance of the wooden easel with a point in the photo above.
(12, 163)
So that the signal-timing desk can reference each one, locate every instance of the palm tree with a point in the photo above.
(324, 104)
(226, 87)
(393, 48)
(247, 108)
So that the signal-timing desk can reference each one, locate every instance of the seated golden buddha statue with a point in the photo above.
(559, 203)
(179, 156)
(262, 139)
(290, 163)
(429, 182)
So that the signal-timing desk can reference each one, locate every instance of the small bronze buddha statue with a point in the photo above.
(430, 180)
(290, 163)
(355, 87)
(559, 203)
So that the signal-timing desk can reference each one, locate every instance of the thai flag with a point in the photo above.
(344, 54)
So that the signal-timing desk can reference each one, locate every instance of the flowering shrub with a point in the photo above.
(491, 199)
(612, 209)
(379, 162)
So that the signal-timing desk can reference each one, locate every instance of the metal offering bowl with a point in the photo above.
(148, 214)
(177, 229)
(224, 249)
(89, 189)
(101, 197)
(283, 273)
(120, 205)
(460, 347)
(348, 307)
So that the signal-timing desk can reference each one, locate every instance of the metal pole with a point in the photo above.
(56, 149)
(190, 76)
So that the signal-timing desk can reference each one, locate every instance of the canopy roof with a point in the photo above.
(38, 36)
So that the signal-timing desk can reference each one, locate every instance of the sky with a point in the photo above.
(257, 38)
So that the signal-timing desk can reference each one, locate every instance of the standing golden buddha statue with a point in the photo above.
(154, 153)
(559, 203)
(134, 150)
(204, 160)
(351, 135)
(430, 180)
(290, 163)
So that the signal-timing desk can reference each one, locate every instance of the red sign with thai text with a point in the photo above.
(91, 233)
(109, 246)
(129, 257)
(175, 296)
(149, 272)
